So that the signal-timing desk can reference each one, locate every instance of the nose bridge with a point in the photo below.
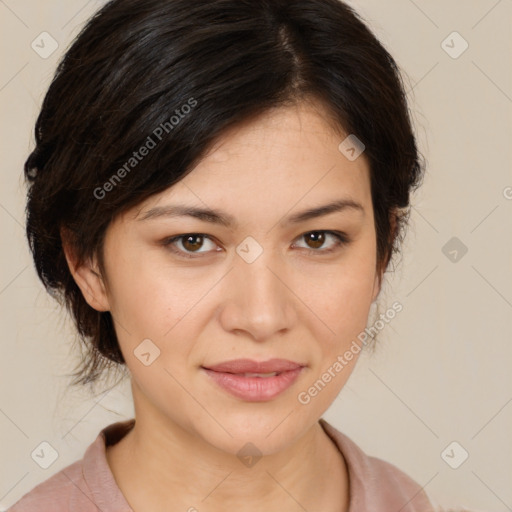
(262, 303)
(259, 278)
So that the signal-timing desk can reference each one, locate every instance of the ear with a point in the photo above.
(87, 276)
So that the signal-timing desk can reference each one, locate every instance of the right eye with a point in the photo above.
(190, 242)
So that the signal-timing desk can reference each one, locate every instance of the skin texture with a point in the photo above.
(291, 302)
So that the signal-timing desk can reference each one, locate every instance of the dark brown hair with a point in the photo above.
(172, 76)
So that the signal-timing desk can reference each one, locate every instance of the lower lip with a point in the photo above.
(254, 389)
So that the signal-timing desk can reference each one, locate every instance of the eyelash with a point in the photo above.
(342, 240)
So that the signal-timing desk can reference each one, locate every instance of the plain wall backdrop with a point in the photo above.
(439, 384)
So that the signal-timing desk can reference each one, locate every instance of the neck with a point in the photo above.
(159, 465)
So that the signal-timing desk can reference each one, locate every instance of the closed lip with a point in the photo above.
(250, 366)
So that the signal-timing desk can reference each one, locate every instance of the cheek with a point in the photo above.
(135, 300)
(342, 304)
(341, 297)
(153, 301)
(144, 295)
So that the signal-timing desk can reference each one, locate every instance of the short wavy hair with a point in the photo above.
(137, 63)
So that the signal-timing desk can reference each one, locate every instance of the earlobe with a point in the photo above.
(88, 278)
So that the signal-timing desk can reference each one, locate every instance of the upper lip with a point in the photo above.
(250, 366)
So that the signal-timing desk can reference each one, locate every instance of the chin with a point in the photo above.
(267, 433)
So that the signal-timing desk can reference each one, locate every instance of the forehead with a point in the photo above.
(282, 158)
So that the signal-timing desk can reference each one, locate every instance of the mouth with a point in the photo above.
(254, 381)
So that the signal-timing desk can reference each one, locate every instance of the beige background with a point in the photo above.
(442, 370)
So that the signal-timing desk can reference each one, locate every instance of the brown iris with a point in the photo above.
(317, 237)
(192, 242)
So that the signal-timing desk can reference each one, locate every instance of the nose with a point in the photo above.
(261, 303)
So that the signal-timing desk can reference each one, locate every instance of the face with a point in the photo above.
(254, 281)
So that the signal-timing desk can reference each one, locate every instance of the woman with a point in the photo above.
(216, 191)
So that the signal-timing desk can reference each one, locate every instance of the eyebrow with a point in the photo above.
(215, 216)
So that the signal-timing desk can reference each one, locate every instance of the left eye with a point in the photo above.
(192, 242)
(317, 238)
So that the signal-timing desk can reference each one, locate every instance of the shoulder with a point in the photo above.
(64, 491)
(392, 484)
(87, 485)
(376, 484)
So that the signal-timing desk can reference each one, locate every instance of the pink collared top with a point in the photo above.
(88, 485)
